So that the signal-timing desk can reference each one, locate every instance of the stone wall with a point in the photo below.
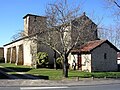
(85, 28)
(1, 54)
(34, 24)
(104, 58)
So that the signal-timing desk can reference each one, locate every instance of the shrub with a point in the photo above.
(59, 62)
(42, 59)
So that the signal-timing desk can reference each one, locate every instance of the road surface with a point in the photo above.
(88, 87)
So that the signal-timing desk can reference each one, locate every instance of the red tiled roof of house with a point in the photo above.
(91, 45)
(87, 47)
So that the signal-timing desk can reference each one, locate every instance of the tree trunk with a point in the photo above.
(65, 66)
(55, 67)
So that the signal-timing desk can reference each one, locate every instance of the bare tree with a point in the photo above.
(114, 7)
(65, 30)
(112, 31)
(59, 16)
(17, 36)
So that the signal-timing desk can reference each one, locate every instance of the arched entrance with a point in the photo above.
(20, 55)
(13, 55)
(8, 54)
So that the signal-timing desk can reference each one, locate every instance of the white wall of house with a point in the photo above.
(118, 61)
(27, 53)
(104, 58)
(86, 62)
(72, 57)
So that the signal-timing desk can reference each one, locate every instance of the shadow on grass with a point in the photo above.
(16, 69)
(3, 69)
(2, 76)
(20, 76)
(29, 76)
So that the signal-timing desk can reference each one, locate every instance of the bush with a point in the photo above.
(42, 59)
(59, 62)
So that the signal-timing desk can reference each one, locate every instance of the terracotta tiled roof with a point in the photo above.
(91, 45)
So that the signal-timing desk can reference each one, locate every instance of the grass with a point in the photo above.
(57, 74)
(52, 73)
(95, 74)
(13, 65)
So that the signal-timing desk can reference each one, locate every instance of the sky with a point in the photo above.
(13, 11)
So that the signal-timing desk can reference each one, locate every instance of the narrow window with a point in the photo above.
(105, 56)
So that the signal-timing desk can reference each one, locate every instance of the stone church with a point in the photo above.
(21, 51)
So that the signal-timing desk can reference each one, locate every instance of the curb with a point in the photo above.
(41, 83)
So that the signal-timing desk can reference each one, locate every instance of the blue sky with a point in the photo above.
(12, 12)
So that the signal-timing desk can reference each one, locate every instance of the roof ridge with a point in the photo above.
(91, 45)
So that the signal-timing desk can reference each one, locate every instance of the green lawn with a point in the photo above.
(57, 74)
(13, 65)
(52, 73)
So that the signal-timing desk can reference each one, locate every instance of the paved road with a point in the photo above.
(91, 87)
